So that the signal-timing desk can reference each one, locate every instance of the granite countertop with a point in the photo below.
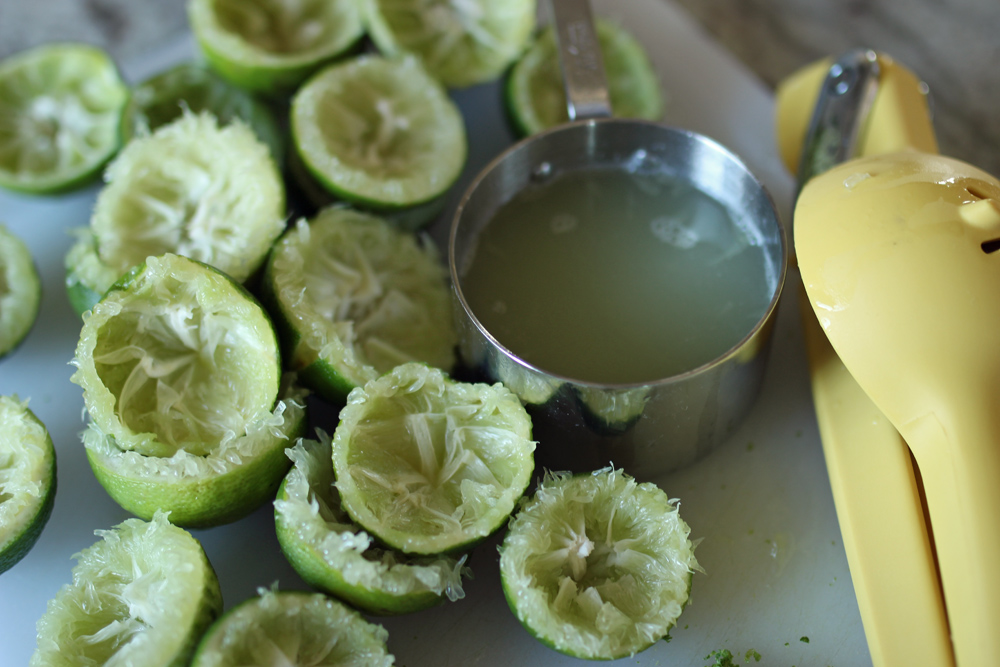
(954, 46)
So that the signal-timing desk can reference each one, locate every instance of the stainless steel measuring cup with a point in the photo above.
(653, 427)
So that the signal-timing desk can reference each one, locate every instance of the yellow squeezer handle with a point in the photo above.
(874, 482)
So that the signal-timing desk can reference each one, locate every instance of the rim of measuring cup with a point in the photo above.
(733, 351)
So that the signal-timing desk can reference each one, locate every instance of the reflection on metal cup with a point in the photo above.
(649, 427)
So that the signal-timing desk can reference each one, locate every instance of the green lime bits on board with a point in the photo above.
(20, 291)
(143, 596)
(27, 480)
(460, 43)
(194, 87)
(60, 110)
(332, 553)
(181, 378)
(596, 565)
(271, 46)
(193, 188)
(380, 134)
(429, 465)
(352, 297)
(293, 628)
(534, 89)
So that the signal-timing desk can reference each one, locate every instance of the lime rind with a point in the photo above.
(429, 465)
(60, 109)
(143, 594)
(27, 480)
(293, 628)
(378, 132)
(270, 47)
(282, 425)
(193, 188)
(194, 87)
(176, 357)
(353, 297)
(87, 277)
(332, 553)
(20, 291)
(409, 219)
(534, 89)
(460, 43)
(201, 490)
(597, 565)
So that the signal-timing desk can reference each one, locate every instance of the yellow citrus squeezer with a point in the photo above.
(896, 247)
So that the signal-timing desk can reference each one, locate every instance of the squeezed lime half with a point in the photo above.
(193, 188)
(597, 565)
(293, 628)
(353, 297)
(270, 46)
(460, 43)
(194, 87)
(143, 595)
(378, 132)
(534, 88)
(20, 291)
(27, 480)
(60, 109)
(429, 465)
(181, 378)
(333, 554)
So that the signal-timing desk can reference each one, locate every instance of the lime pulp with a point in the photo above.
(429, 465)
(60, 109)
(597, 565)
(27, 480)
(333, 554)
(142, 595)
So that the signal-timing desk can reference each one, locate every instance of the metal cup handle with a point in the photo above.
(580, 60)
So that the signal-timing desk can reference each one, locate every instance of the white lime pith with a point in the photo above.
(430, 465)
(181, 379)
(60, 109)
(460, 42)
(380, 133)
(354, 297)
(270, 46)
(332, 553)
(20, 291)
(141, 596)
(597, 565)
(293, 628)
(192, 188)
(27, 480)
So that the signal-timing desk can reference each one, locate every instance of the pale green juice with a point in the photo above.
(606, 276)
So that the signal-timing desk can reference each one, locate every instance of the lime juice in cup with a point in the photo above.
(614, 277)
(636, 268)
(620, 275)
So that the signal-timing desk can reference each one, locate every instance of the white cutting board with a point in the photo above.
(761, 505)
